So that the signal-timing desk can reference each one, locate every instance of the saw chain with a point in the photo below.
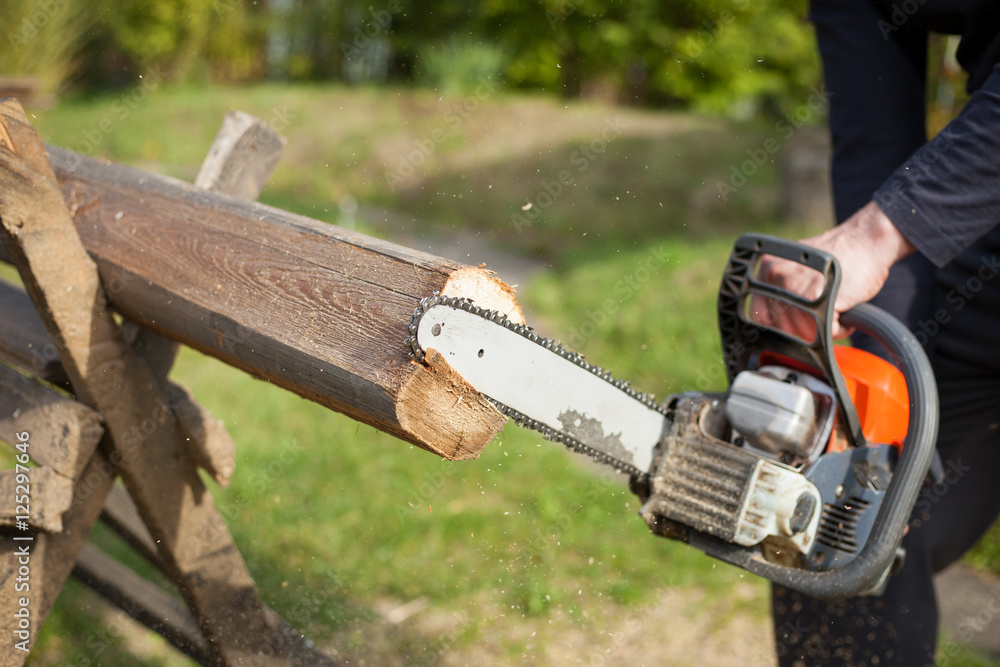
(554, 347)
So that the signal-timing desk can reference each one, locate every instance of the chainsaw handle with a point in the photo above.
(863, 573)
(743, 337)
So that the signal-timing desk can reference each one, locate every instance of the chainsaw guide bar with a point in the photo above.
(622, 425)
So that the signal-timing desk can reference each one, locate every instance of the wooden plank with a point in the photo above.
(23, 341)
(64, 433)
(242, 157)
(48, 495)
(122, 516)
(158, 610)
(316, 309)
(142, 600)
(47, 561)
(107, 374)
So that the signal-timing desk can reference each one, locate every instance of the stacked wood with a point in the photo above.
(120, 372)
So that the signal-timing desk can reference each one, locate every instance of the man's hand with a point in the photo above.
(866, 245)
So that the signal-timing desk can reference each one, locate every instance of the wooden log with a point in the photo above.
(107, 374)
(242, 157)
(142, 600)
(48, 496)
(50, 559)
(316, 309)
(239, 163)
(153, 607)
(64, 433)
(23, 340)
(122, 516)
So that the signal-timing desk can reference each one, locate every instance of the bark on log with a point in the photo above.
(316, 309)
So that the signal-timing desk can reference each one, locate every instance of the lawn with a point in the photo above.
(379, 550)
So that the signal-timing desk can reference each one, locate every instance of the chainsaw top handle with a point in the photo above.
(743, 338)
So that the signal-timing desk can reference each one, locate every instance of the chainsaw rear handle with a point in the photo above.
(864, 572)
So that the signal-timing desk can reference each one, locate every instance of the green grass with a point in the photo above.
(527, 544)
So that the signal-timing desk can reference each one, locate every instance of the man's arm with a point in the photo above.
(947, 195)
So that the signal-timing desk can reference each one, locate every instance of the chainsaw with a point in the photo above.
(804, 471)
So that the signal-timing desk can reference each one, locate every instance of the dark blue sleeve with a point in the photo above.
(874, 76)
(947, 195)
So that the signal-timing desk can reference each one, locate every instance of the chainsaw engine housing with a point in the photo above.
(814, 516)
(786, 474)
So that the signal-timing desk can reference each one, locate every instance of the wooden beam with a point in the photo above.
(64, 432)
(23, 341)
(316, 309)
(242, 157)
(106, 374)
(142, 600)
(48, 493)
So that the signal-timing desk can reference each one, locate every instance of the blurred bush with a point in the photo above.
(43, 39)
(459, 65)
(734, 57)
(217, 40)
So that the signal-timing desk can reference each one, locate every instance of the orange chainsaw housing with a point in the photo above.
(876, 387)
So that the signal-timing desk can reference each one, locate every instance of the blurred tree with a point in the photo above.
(726, 56)
(219, 40)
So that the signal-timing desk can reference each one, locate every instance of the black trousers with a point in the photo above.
(960, 326)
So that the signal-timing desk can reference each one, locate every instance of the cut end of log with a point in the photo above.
(436, 406)
(485, 290)
(444, 414)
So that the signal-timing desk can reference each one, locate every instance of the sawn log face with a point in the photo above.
(314, 308)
